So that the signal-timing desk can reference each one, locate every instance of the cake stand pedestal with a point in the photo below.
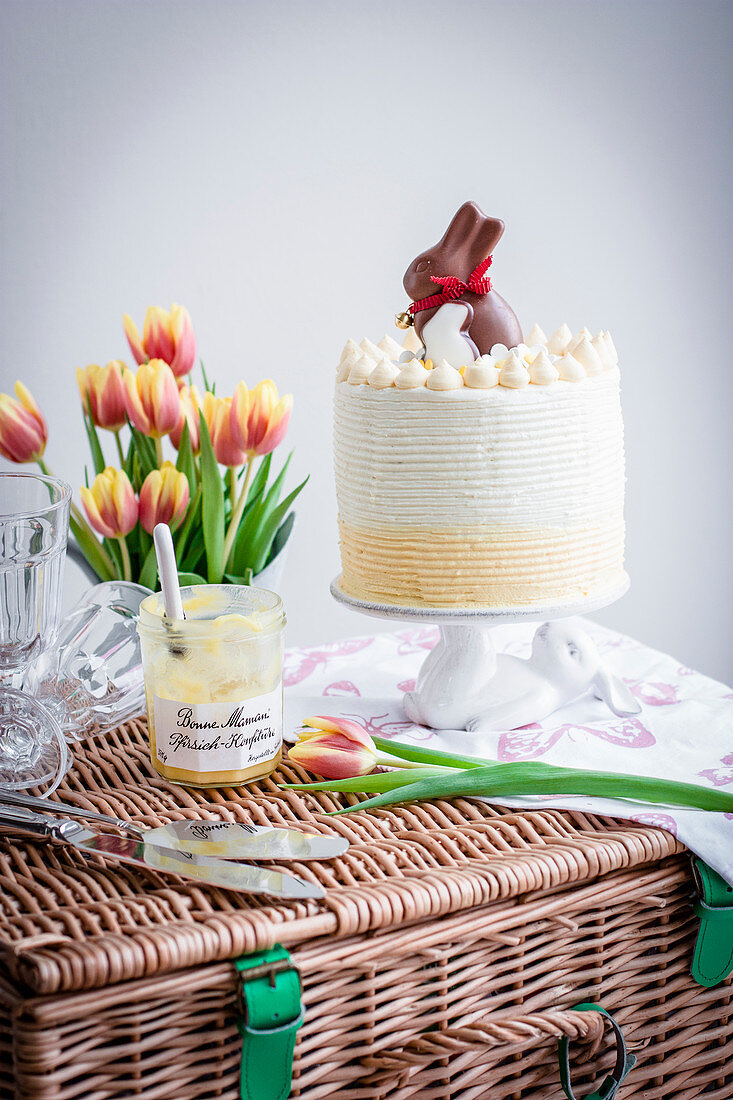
(455, 680)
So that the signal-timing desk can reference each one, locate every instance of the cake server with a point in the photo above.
(242, 877)
(225, 839)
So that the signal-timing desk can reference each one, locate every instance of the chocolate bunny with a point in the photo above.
(457, 315)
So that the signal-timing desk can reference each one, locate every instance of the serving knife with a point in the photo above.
(225, 839)
(242, 877)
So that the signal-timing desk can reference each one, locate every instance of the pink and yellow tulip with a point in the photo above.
(190, 405)
(111, 505)
(164, 497)
(103, 394)
(151, 398)
(217, 416)
(166, 336)
(259, 418)
(23, 428)
(335, 748)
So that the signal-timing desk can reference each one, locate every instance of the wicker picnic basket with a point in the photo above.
(445, 960)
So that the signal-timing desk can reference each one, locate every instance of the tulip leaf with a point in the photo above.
(186, 579)
(211, 389)
(193, 515)
(149, 572)
(144, 452)
(92, 550)
(251, 517)
(94, 444)
(531, 777)
(115, 554)
(365, 784)
(127, 465)
(273, 493)
(212, 507)
(185, 462)
(245, 579)
(421, 755)
(263, 540)
(259, 481)
(281, 537)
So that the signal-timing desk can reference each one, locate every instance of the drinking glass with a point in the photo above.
(92, 680)
(34, 526)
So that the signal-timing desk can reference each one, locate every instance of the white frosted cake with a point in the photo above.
(476, 468)
(498, 485)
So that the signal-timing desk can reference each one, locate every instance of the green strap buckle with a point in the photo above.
(271, 1011)
(625, 1062)
(712, 959)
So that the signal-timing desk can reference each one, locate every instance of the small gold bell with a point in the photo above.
(404, 319)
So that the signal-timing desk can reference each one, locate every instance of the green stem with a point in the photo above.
(120, 451)
(184, 532)
(127, 570)
(237, 510)
(159, 451)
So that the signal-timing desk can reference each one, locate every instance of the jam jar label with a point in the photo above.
(218, 737)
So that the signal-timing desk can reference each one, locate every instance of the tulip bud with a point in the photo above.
(334, 748)
(23, 429)
(111, 505)
(103, 394)
(166, 336)
(190, 405)
(216, 414)
(164, 497)
(151, 398)
(259, 419)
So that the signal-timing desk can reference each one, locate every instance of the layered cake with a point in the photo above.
(476, 468)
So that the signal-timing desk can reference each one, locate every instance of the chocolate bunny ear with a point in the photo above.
(471, 235)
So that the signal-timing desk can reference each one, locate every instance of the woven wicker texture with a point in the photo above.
(444, 961)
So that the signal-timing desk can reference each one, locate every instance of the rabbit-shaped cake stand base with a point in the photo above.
(464, 684)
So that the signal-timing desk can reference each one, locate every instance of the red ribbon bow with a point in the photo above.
(453, 287)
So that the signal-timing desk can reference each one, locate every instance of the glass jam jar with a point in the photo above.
(213, 684)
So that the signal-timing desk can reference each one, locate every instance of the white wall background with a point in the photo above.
(275, 166)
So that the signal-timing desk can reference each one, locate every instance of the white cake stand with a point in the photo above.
(463, 663)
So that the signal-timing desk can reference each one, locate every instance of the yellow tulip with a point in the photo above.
(111, 505)
(103, 394)
(151, 398)
(23, 428)
(166, 336)
(258, 418)
(164, 497)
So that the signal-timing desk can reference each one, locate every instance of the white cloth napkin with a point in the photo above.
(684, 731)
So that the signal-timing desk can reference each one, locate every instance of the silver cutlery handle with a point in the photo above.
(19, 817)
(18, 798)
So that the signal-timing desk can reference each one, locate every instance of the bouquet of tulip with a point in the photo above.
(344, 753)
(227, 513)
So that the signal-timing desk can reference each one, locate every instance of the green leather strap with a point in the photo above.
(271, 1013)
(712, 959)
(625, 1062)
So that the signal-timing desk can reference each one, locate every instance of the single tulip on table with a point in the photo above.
(342, 752)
